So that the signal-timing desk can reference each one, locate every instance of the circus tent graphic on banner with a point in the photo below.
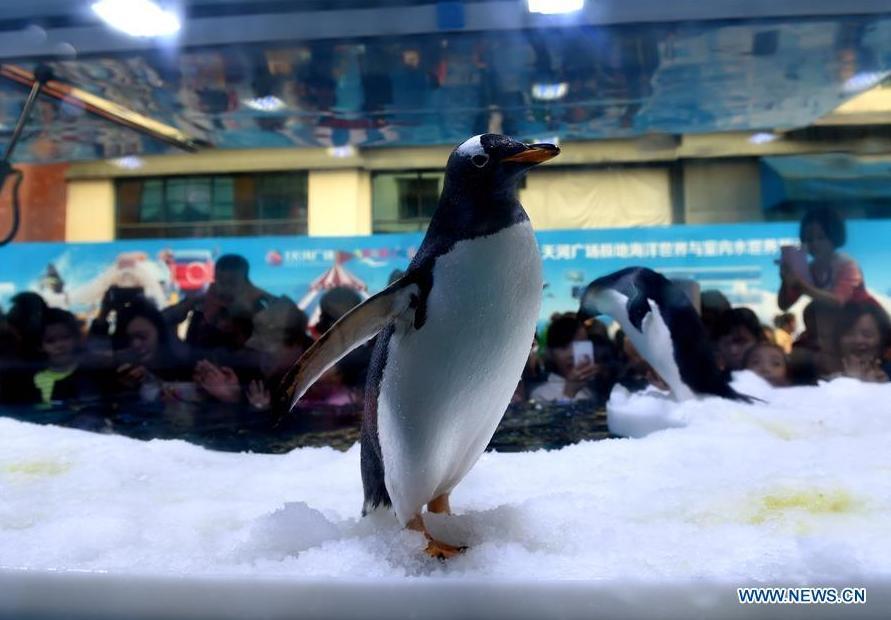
(336, 276)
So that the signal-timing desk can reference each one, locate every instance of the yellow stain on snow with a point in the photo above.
(782, 431)
(37, 469)
(796, 509)
(786, 432)
(784, 505)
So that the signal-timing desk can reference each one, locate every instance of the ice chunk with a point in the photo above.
(294, 528)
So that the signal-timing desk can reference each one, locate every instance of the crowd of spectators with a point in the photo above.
(220, 354)
(846, 332)
(223, 353)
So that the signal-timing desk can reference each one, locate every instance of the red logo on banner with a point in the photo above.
(274, 258)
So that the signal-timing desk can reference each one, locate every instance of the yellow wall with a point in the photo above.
(339, 202)
(558, 198)
(89, 215)
(722, 191)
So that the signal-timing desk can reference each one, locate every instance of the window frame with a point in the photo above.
(167, 227)
(416, 223)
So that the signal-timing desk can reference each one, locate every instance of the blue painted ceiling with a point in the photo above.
(578, 82)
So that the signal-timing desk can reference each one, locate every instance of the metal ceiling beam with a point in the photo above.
(415, 19)
(103, 108)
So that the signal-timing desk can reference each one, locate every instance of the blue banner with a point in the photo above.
(737, 259)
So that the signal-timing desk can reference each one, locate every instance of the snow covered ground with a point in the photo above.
(796, 490)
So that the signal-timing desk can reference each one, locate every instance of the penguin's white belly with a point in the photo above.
(656, 345)
(446, 386)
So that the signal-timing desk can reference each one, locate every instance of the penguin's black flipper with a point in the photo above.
(638, 308)
(356, 327)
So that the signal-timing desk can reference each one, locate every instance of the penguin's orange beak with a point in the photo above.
(534, 154)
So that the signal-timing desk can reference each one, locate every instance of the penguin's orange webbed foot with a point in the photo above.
(435, 548)
(442, 551)
(440, 505)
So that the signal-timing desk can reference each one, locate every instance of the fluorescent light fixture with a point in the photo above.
(549, 92)
(137, 18)
(342, 151)
(269, 103)
(555, 140)
(553, 7)
(130, 162)
(864, 80)
(763, 137)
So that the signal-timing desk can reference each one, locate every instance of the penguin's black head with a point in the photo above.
(607, 294)
(589, 308)
(494, 163)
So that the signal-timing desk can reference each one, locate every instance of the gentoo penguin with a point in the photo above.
(665, 328)
(454, 334)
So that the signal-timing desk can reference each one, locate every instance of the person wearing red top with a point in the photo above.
(835, 278)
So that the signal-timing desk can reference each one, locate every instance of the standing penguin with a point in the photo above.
(454, 336)
(665, 328)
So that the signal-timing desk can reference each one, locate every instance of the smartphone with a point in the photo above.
(582, 352)
(121, 296)
(795, 259)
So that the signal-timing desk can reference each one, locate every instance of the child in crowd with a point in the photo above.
(343, 384)
(737, 331)
(862, 338)
(63, 378)
(279, 339)
(768, 361)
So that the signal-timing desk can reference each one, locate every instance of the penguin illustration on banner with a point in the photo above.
(454, 334)
(664, 327)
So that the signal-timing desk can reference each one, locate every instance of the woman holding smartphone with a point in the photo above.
(570, 361)
(831, 278)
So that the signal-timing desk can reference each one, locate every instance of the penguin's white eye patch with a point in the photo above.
(479, 160)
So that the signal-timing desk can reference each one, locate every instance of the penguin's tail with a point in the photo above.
(373, 485)
(369, 506)
(730, 394)
(376, 498)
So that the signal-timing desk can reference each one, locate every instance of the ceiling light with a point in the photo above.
(763, 137)
(551, 7)
(342, 151)
(555, 140)
(269, 103)
(130, 162)
(863, 81)
(137, 18)
(549, 92)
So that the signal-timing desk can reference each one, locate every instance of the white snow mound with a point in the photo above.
(796, 488)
